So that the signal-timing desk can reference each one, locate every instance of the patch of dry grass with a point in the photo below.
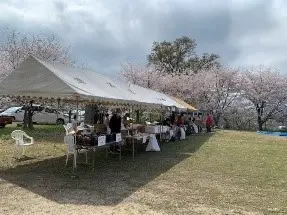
(226, 173)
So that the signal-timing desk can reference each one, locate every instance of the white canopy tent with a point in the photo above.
(39, 78)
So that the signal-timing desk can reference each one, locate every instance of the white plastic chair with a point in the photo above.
(68, 128)
(71, 149)
(18, 136)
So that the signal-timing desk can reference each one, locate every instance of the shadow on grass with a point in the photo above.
(24, 158)
(110, 183)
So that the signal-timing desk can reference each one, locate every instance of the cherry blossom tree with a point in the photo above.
(281, 117)
(4, 101)
(18, 46)
(145, 76)
(215, 89)
(240, 115)
(150, 77)
(266, 89)
(212, 89)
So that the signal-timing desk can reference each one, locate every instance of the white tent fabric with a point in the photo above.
(151, 96)
(39, 78)
(153, 144)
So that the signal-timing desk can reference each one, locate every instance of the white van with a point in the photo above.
(80, 113)
(41, 115)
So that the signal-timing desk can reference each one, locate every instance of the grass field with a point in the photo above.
(227, 172)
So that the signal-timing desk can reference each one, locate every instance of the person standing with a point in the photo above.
(125, 120)
(208, 123)
(180, 124)
(180, 120)
(70, 116)
(115, 122)
(115, 126)
(107, 123)
(198, 123)
(96, 117)
(75, 123)
(193, 120)
(173, 118)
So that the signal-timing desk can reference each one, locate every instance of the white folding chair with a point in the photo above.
(68, 128)
(19, 136)
(71, 149)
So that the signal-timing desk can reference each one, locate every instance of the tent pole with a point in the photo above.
(139, 115)
(58, 107)
(77, 104)
(161, 119)
(161, 122)
(133, 135)
(75, 143)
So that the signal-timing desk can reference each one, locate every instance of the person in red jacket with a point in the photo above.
(208, 123)
(180, 120)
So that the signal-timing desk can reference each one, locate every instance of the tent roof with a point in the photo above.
(184, 104)
(40, 78)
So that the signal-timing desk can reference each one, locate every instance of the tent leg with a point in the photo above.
(75, 145)
(94, 152)
(77, 110)
(133, 148)
(132, 136)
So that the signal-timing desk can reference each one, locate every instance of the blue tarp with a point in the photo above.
(271, 133)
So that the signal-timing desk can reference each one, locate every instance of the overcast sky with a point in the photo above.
(106, 33)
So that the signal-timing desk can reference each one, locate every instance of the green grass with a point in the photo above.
(225, 173)
(38, 132)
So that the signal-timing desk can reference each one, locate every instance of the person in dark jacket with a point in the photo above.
(96, 117)
(173, 118)
(115, 122)
(115, 126)
(70, 116)
(193, 119)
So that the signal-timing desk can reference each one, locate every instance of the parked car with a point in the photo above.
(282, 128)
(14, 113)
(4, 120)
(81, 114)
(41, 115)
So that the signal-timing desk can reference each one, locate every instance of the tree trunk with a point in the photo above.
(227, 123)
(216, 119)
(25, 120)
(30, 118)
(260, 123)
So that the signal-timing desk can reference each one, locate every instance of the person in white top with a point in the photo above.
(107, 123)
(75, 123)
